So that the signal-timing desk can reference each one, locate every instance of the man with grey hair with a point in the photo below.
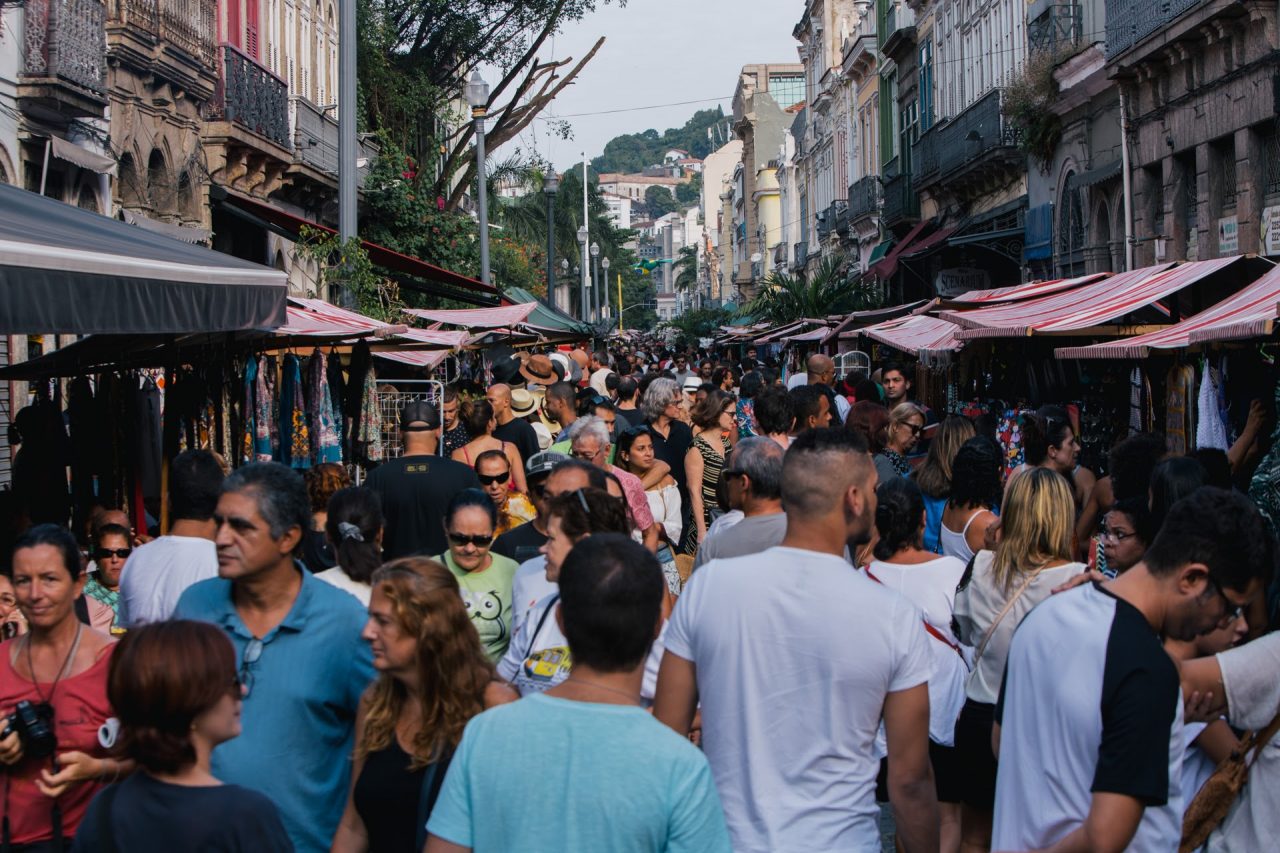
(797, 658)
(589, 438)
(753, 478)
(301, 662)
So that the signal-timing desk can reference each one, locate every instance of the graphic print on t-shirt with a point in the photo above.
(546, 667)
(485, 609)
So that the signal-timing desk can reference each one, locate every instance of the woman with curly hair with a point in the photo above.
(433, 677)
(323, 482)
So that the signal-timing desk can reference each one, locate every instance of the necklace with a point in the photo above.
(633, 698)
(66, 666)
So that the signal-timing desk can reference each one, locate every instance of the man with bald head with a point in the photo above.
(796, 658)
(821, 371)
(510, 428)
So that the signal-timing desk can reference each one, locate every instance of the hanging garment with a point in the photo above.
(1264, 488)
(1210, 431)
(262, 414)
(1135, 401)
(1179, 426)
(295, 437)
(337, 393)
(249, 435)
(370, 434)
(326, 443)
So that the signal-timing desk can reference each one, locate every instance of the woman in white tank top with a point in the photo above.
(975, 491)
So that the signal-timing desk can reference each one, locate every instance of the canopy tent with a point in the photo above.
(1030, 290)
(1082, 309)
(917, 334)
(1249, 313)
(67, 270)
(858, 319)
(888, 265)
(544, 318)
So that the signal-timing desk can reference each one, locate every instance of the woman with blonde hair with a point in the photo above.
(433, 677)
(1032, 557)
(906, 422)
(934, 476)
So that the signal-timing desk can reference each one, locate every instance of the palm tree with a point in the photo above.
(827, 290)
(686, 264)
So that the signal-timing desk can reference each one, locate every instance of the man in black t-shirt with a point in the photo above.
(416, 488)
(511, 429)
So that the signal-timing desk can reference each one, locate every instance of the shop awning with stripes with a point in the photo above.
(1103, 302)
(505, 317)
(1030, 290)
(918, 334)
(1250, 313)
(888, 265)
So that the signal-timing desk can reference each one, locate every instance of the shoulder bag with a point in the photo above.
(1210, 807)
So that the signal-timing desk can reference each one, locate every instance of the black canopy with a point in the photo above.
(71, 271)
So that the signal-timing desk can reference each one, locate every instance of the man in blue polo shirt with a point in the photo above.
(302, 662)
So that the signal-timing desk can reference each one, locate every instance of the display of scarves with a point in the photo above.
(1264, 488)
(248, 435)
(1135, 401)
(1180, 421)
(326, 442)
(262, 412)
(295, 436)
(1210, 431)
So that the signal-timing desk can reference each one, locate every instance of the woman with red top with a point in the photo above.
(53, 689)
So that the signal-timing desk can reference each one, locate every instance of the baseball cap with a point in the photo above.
(419, 412)
(542, 463)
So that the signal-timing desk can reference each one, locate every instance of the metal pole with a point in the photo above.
(595, 287)
(1127, 184)
(619, 303)
(586, 240)
(551, 249)
(482, 194)
(348, 149)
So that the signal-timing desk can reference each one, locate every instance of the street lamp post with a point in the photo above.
(477, 93)
(550, 185)
(586, 272)
(604, 288)
(564, 265)
(594, 303)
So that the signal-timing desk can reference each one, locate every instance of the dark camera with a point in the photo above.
(32, 723)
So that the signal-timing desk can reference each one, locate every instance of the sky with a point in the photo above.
(657, 52)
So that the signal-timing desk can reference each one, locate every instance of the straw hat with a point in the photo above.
(522, 403)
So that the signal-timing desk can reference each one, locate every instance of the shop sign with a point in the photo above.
(1228, 236)
(1271, 230)
(959, 280)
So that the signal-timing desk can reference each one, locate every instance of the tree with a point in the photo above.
(415, 56)
(686, 264)
(828, 290)
(699, 323)
(690, 192)
(632, 152)
(658, 201)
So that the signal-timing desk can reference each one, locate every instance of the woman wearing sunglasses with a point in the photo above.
(111, 548)
(514, 508)
(485, 578)
(906, 422)
(174, 689)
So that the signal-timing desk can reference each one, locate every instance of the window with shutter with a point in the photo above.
(251, 28)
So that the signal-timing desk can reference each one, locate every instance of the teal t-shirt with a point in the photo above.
(487, 596)
(550, 774)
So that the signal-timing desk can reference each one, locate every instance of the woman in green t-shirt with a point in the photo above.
(485, 578)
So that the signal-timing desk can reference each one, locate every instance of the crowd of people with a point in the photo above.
(656, 600)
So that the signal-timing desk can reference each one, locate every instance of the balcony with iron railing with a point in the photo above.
(864, 198)
(899, 29)
(799, 254)
(901, 204)
(977, 139)
(840, 216)
(1131, 21)
(315, 139)
(250, 96)
(64, 62)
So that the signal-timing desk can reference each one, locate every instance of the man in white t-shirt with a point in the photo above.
(157, 573)
(796, 658)
(1094, 738)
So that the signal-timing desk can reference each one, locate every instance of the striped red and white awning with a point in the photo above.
(920, 335)
(479, 318)
(1101, 302)
(1247, 314)
(1030, 290)
(317, 318)
(428, 359)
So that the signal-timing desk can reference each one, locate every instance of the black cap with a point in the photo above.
(419, 412)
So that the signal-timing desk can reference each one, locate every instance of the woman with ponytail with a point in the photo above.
(478, 417)
(928, 581)
(354, 528)
(433, 677)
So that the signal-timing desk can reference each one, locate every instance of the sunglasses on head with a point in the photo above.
(490, 479)
(462, 541)
(105, 553)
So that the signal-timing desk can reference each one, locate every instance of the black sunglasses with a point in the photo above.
(1233, 611)
(490, 479)
(462, 541)
(119, 553)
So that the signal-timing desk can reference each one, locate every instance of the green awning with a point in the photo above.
(880, 251)
(544, 317)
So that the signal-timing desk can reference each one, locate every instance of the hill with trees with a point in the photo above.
(634, 151)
